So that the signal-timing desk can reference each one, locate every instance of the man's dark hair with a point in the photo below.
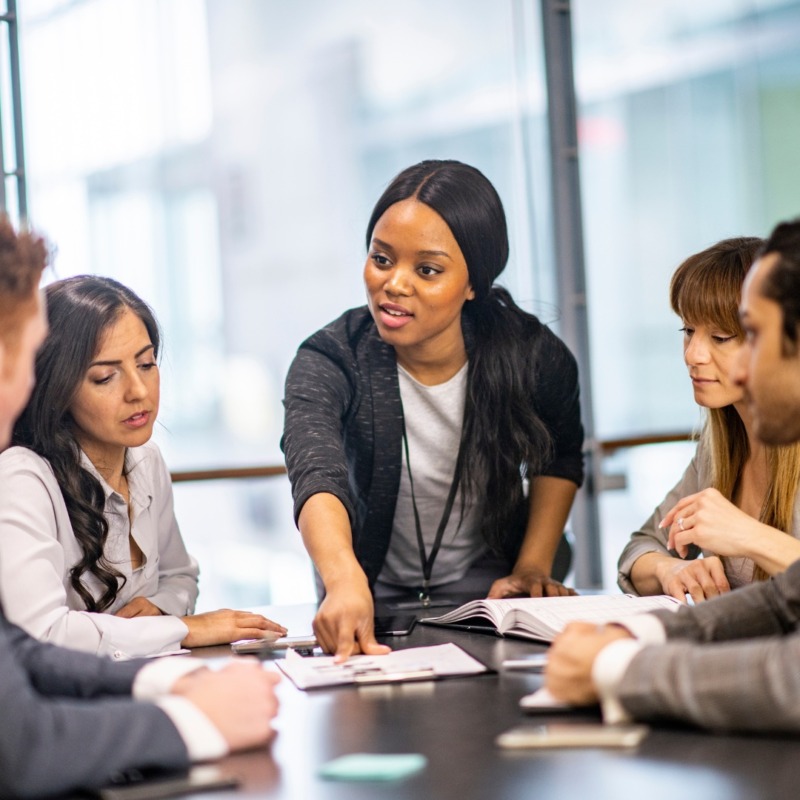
(782, 282)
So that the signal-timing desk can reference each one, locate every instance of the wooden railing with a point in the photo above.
(607, 446)
(228, 473)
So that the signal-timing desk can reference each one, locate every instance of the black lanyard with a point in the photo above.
(426, 561)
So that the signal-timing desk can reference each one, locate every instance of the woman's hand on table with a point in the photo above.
(226, 625)
(528, 583)
(701, 578)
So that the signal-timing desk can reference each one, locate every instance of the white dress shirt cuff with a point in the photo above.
(608, 671)
(156, 679)
(647, 628)
(202, 739)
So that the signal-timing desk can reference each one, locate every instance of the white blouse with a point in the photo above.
(38, 548)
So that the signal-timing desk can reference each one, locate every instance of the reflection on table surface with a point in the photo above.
(454, 722)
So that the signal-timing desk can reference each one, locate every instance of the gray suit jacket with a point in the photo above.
(732, 663)
(68, 719)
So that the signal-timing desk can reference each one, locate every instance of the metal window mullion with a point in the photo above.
(12, 27)
(570, 267)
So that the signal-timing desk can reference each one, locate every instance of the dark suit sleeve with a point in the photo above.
(61, 728)
(79, 675)
(731, 663)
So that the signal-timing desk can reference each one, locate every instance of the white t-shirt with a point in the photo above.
(433, 418)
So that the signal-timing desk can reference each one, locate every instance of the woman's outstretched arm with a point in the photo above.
(344, 622)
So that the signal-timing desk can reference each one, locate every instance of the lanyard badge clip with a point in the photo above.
(425, 594)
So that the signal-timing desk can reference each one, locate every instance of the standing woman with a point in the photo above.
(737, 500)
(433, 438)
(90, 553)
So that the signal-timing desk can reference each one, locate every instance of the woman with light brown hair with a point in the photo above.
(736, 502)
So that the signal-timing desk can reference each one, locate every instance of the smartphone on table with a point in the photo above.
(579, 735)
(395, 624)
(138, 786)
(266, 646)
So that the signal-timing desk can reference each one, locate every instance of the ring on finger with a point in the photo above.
(680, 523)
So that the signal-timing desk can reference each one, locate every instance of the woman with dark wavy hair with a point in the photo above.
(433, 438)
(90, 552)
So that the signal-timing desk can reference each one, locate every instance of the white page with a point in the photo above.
(554, 613)
(492, 610)
(413, 664)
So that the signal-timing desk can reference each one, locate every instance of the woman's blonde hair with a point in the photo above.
(706, 288)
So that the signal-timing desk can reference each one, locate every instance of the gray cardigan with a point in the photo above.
(344, 423)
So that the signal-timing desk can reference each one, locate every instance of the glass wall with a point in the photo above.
(689, 119)
(222, 158)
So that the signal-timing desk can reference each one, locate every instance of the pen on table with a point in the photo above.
(534, 663)
(255, 646)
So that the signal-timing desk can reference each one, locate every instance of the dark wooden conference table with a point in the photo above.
(454, 722)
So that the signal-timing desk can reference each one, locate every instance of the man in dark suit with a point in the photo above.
(730, 663)
(70, 720)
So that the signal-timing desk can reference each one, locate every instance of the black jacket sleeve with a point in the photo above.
(558, 403)
(317, 398)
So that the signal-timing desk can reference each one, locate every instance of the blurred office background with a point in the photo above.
(222, 156)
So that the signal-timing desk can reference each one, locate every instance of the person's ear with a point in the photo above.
(470, 292)
(5, 385)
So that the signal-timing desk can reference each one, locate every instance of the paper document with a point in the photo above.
(414, 664)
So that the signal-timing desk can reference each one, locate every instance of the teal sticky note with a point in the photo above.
(373, 767)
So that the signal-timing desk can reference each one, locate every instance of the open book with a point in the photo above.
(542, 618)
